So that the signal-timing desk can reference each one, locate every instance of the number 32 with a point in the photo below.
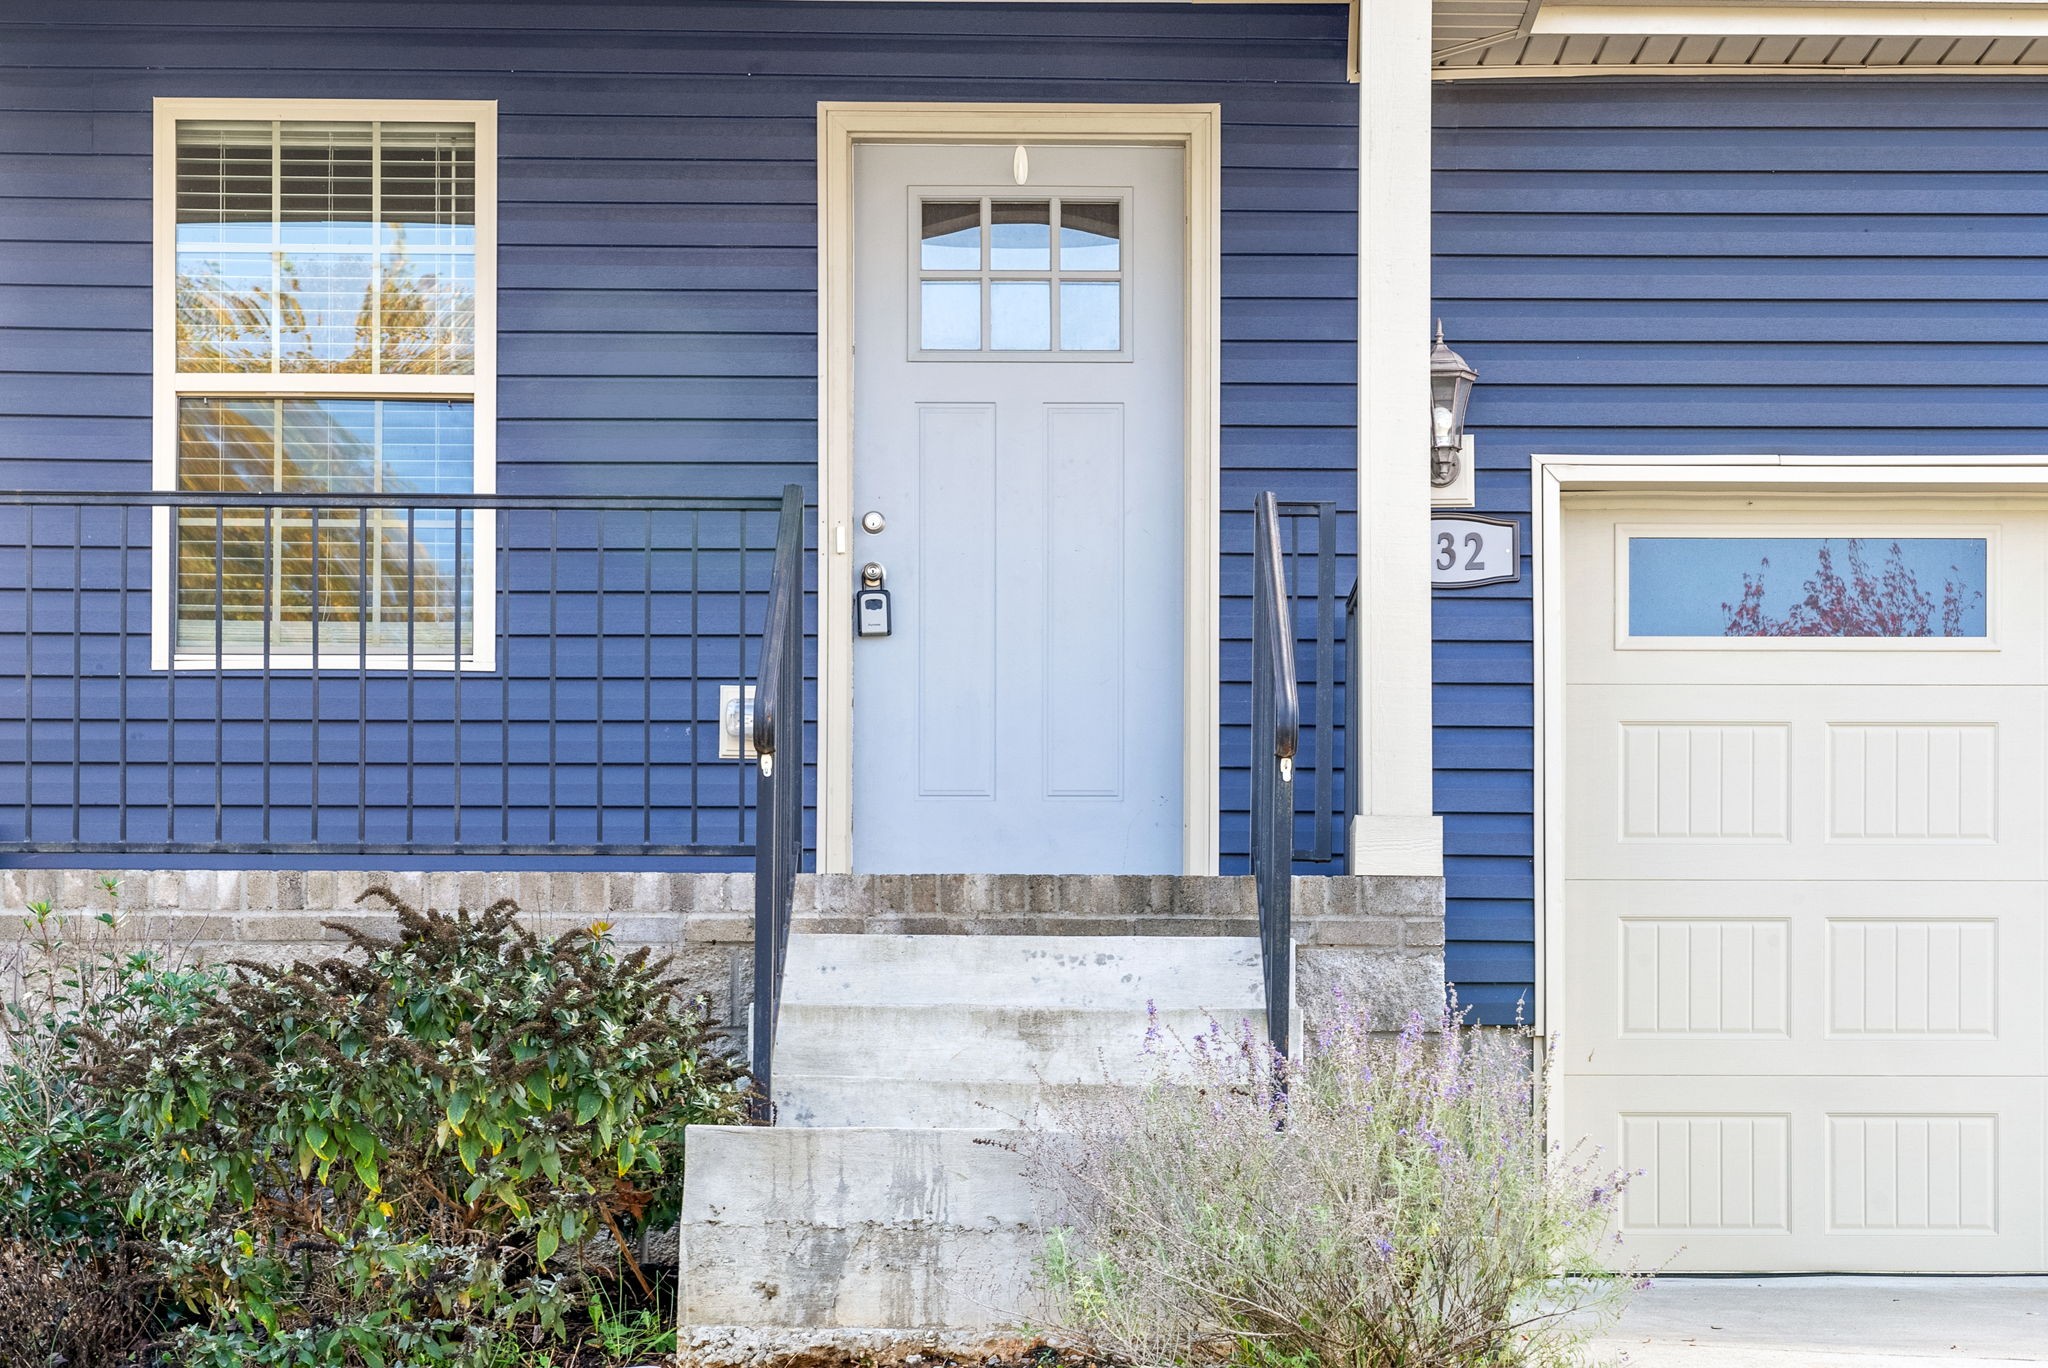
(1447, 551)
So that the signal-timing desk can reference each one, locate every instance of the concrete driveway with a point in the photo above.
(1831, 1322)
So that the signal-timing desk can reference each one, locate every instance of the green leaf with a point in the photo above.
(458, 1107)
(366, 1169)
(587, 1103)
(317, 1136)
(549, 1241)
(471, 1148)
(509, 1195)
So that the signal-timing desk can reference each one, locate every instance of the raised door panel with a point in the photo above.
(1822, 782)
(1855, 978)
(1819, 1174)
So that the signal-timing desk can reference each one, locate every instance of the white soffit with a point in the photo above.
(1592, 37)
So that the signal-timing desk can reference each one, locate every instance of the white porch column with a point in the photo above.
(1391, 749)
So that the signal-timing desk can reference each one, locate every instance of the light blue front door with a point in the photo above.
(1018, 442)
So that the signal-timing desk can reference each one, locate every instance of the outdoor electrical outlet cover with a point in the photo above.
(736, 722)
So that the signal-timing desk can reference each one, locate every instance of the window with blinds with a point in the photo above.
(323, 306)
(336, 248)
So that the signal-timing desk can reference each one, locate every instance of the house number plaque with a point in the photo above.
(1466, 551)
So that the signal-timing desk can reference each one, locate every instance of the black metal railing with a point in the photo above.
(1276, 734)
(394, 674)
(778, 739)
(1309, 553)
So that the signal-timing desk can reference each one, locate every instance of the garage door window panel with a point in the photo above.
(1685, 587)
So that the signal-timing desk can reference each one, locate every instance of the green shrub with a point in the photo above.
(421, 1151)
(75, 1287)
(1398, 1209)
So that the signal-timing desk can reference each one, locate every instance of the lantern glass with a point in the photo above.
(1450, 387)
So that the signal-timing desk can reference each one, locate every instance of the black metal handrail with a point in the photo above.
(335, 674)
(1276, 735)
(779, 742)
(1323, 846)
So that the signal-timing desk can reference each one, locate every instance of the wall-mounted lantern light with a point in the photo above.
(1450, 390)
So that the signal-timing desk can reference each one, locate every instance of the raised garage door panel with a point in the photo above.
(1803, 926)
(1866, 978)
(1796, 1174)
(1821, 781)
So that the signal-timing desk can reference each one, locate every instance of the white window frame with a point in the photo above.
(167, 386)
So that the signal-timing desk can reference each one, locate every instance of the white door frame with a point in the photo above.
(1197, 130)
(1552, 478)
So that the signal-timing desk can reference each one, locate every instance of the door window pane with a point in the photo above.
(1091, 315)
(1090, 236)
(952, 236)
(951, 315)
(1020, 315)
(1020, 235)
(1009, 276)
(1882, 587)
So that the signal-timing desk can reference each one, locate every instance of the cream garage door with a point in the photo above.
(1804, 863)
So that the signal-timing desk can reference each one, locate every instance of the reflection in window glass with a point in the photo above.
(951, 315)
(223, 320)
(1807, 586)
(329, 294)
(952, 236)
(1020, 235)
(330, 248)
(427, 312)
(1020, 315)
(1089, 236)
(1091, 315)
(372, 577)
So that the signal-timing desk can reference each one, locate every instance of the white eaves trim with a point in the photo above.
(1868, 19)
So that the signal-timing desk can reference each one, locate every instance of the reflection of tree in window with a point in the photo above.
(1860, 601)
(377, 570)
(417, 318)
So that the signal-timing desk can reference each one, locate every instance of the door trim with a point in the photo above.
(1197, 130)
(1552, 477)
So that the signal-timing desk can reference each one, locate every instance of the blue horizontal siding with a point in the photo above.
(657, 271)
(1693, 266)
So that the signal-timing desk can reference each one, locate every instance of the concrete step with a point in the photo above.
(887, 1194)
(978, 1044)
(1218, 973)
(937, 1103)
(860, 1227)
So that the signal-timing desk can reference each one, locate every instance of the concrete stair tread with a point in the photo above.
(910, 970)
(980, 1044)
(821, 1101)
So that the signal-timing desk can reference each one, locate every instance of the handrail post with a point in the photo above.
(778, 821)
(1276, 732)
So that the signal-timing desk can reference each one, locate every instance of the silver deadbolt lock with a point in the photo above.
(871, 604)
(873, 521)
